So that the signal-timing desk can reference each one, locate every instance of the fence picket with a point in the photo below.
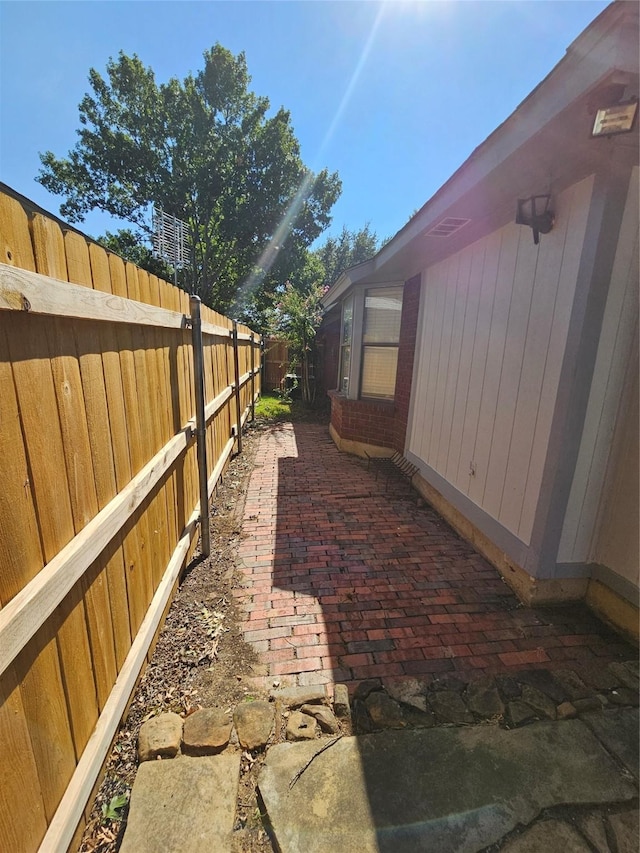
(117, 454)
(126, 428)
(92, 388)
(18, 773)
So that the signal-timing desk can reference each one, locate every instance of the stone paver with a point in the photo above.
(160, 737)
(618, 729)
(626, 829)
(451, 790)
(206, 732)
(301, 726)
(183, 804)
(593, 829)
(254, 724)
(326, 718)
(347, 578)
(552, 836)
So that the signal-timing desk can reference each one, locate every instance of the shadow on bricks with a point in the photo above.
(349, 578)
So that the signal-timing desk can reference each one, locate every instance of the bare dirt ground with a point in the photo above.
(200, 660)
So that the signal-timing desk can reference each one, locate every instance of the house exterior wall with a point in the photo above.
(492, 334)
(365, 421)
(603, 474)
(328, 347)
(615, 547)
(406, 358)
(382, 424)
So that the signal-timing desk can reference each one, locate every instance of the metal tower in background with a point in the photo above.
(170, 240)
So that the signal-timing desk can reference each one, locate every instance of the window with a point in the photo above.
(345, 346)
(380, 338)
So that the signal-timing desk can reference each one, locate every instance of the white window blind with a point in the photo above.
(381, 334)
(379, 371)
(382, 312)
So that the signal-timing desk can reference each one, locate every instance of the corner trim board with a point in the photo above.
(607, 202)
(624, 588)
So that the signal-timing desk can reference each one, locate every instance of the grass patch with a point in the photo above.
(271, 407)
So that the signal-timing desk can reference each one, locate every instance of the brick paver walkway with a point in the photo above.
(347, 578)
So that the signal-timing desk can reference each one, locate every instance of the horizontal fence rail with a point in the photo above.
(100, 505)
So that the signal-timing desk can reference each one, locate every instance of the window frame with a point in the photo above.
(358, 293)
(343, 346)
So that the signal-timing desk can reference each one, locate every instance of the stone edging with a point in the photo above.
(303, 713)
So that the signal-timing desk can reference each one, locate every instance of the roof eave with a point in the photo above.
(604, 47)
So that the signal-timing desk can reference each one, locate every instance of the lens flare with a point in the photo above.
(270, 252)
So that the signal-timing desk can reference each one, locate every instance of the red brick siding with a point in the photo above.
(328, 346)
(384, 423)
(363, 420)
(406, 353)
(336, 411)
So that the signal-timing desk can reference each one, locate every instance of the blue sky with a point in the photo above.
(393, 96)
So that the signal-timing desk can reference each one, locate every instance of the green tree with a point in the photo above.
(297, 305)
(129, 246)
(346, 250)
(299, 316)
(205, 150)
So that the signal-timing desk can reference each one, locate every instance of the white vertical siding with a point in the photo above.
(494, 323)
(486, 392)
(460, 288)
(619, 327)
(460, 389)
(522, 290)
(444, 354)
(557, 341)
(486, 301)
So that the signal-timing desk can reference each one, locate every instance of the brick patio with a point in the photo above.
(347, 578)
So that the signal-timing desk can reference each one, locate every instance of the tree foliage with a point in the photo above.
(297, 310)
(206, 150)
(346, 250)
(129, 246)
(297, 317)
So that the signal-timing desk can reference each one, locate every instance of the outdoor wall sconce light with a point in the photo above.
(534, 212)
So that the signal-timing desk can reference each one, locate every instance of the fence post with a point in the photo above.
(236, 365)
(201, 426)
(253, 380)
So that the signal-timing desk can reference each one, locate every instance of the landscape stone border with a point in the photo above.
(507, 701)
(307, 712)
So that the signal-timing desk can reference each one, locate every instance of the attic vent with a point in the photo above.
(446, 226)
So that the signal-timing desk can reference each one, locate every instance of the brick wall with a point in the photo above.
(368, 421)
(406, 353)
(384, 423)
(328, 349)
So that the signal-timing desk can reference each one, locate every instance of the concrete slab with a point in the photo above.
(446, 789)
(618, 730)
(184, 804)
(552, 836)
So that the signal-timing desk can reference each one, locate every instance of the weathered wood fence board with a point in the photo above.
(276, 363)
(99, 505)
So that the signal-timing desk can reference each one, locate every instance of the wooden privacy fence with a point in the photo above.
(99, 499)
(276, 363)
